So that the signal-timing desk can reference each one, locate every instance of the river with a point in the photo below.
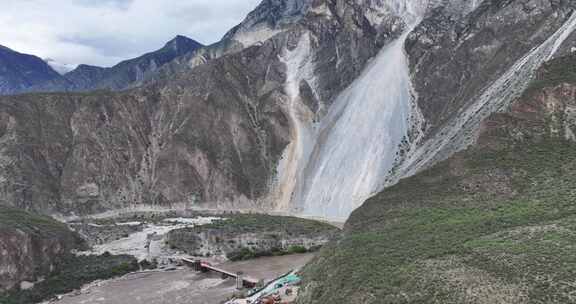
(183, 285)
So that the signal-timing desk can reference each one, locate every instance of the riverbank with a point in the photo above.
(249, 236)
(183, 285)
(144, 238)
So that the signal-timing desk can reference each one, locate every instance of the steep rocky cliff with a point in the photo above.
(211, 135)
(89, 153)
(485, 72)
(31, 246)
(308, 106)
(492, 224)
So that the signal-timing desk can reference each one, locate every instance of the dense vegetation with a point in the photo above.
(32, 223)
(248, 254)
(71, 274)
(501, 230)
(554, 72)
(247, 223)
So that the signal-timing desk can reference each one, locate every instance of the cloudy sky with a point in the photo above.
(104, 32)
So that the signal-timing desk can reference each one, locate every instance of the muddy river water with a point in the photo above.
(183, 285)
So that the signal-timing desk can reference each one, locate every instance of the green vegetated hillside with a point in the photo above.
(12, 218)
(71, 274)
(249, 236)
(36, 248)
(262, 223)
(555, 72)
(493, 224)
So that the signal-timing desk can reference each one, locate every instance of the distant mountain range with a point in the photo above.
(22, 73)
(19, 72)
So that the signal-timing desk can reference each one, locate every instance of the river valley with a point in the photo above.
(181, 286)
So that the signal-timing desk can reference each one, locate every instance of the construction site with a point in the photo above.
(281, 290)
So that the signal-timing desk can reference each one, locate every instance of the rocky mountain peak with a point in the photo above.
(182, 44)
(86, 68)
(126, 74)
(267, 20)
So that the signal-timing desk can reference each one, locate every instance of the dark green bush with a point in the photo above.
(296, 249)
(242, 254)
(247, 253)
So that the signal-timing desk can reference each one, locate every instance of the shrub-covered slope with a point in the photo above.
(71, 274)
(35, 248)
(31, 246)
(247, 236)
(493, 224)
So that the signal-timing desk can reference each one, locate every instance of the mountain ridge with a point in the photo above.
(125, 74)
(19, 71)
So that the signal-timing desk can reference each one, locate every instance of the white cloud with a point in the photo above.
(104, 32)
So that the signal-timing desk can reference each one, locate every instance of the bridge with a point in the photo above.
(241, 280)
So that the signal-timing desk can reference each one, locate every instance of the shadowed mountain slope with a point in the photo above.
(21, 71)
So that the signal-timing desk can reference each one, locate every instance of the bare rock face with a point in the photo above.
(159, 145)
(223, 126)
(466, 67)
(454, 58)
(97, 234)
(31, 246)
(209, 136)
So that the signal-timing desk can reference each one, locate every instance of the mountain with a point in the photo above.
(20, 71)
(492, 224)
(269, 18)
(262, 125)
(210, 136)
(442, 129)
(125, 74)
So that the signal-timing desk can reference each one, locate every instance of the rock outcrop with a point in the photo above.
(98, 234)
(31, 246)
(249, 236)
